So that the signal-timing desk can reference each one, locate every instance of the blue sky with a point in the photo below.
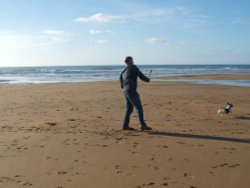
(90, 32)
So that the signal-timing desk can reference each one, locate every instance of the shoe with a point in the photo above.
(145, 128)
(128, 129)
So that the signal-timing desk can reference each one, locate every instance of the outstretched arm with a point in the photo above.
(142, 76)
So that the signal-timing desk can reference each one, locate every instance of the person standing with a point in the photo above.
(128, 80)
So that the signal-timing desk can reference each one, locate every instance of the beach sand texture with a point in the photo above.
(68, 136)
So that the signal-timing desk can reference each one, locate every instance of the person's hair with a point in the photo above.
(128, 58)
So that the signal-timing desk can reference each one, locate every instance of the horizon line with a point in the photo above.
(194, 64)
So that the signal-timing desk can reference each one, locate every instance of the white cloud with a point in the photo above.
(156, 40)
(53, 32)
(94, 32)
(47, 38)
(181, 17)
(52, 37)
(98, 18)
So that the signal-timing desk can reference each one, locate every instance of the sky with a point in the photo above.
(103, 32)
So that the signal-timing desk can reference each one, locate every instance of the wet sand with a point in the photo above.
(69, 136)
(214, 77)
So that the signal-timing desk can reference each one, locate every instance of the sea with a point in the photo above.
(59, 74)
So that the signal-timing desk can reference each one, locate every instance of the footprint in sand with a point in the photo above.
(146, 185)
(135, 144)
(212, 173)
(181, 143)
(62, 172)
(71, 119)
(8, 179)
(234, 166)
(51, 123)
(28, 184)
(170, 159)
(118, 170)
(134, 152)
(224, 164)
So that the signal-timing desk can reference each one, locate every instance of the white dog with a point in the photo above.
(227, 110)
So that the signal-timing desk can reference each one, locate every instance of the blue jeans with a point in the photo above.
(133, 100)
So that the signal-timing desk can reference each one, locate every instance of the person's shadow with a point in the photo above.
(243, 117)
(195, 136)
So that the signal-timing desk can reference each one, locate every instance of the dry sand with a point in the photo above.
(68, 136)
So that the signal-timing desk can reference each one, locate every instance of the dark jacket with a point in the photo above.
(128, 77)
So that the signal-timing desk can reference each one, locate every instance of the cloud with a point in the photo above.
(53, 32)
(183, 10)
(98, 18)
(46, 38)
(181, 17)
(156, 40)
(94, 32)
(51, 37)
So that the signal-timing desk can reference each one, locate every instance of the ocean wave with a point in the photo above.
(99, 73)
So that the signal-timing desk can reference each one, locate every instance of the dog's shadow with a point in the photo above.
(195, 136)
(246, 117)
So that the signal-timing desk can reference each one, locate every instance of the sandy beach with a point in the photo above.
(68, 135)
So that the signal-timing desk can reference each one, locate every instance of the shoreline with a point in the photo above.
(211, 79)
(240, 80)
(229, 76)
